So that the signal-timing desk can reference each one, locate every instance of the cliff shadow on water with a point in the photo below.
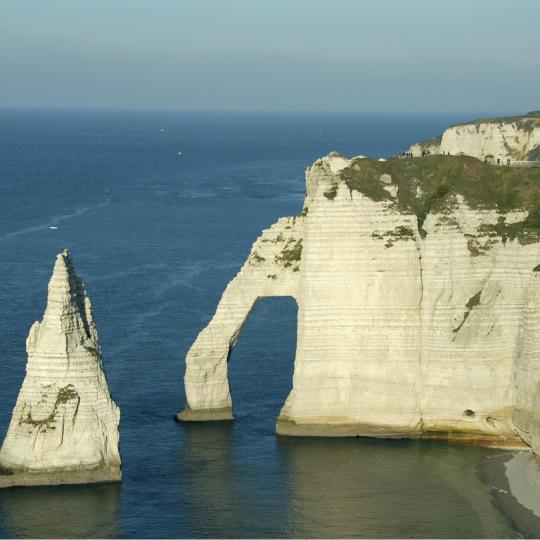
(85, 511)
(337, 488)
(245, 498)
(382, 489)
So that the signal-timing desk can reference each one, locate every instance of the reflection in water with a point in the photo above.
(88, 511)
(330, 488)
(306, 488)
(356, 487)
(238, 489)
(206, 476)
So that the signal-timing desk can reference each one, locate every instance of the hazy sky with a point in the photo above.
(350, 55)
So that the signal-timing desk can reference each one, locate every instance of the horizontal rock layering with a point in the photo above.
(64, 427)
(514, 138)
(272, 269)
(417, 304)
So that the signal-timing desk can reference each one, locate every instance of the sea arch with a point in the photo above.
(272, 269)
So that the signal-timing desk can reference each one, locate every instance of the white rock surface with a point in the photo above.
(64, 427)
(405, 329)
(272, 269)
(527, 413)
(492, 140)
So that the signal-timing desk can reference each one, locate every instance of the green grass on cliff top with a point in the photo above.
(532, 118)
(430, 184)
(526, 122)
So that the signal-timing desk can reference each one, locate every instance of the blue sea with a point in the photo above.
(159, 210)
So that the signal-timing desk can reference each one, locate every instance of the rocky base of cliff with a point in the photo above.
(286, 426)
(205, 415)
(13, 478)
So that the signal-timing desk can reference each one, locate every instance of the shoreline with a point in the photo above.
(101, 475)
(287, 427)
(507, 475)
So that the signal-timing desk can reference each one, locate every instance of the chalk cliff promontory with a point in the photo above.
(64, 428)
(514, 138)
(418, 303)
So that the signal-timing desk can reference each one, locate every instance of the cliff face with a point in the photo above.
(527, 414)
(417, 303)
(64, 427)
(514, 138)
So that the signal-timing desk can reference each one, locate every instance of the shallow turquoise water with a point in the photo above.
(156, 237)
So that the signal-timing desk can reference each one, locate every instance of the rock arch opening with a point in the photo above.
(271, 270)
(261, 365)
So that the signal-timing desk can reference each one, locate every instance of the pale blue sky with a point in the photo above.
(347, 55)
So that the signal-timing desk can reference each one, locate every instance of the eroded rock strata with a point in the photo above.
(417, 291)
(507, 138)
(64, 428)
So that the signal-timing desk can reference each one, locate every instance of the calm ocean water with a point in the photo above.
(156, 235)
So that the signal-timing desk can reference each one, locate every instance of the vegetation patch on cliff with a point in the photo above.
(390, 237)
(255, 258)
(290, 254)
(275, 240)
(438, 179)
(527, 231)
(469, 306)
(64, 395)
(332, 192)
(479, 245)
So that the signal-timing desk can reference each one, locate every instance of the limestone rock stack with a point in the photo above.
(418, 306)
(64, 427)
(507, 138)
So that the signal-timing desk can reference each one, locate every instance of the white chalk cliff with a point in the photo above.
(64, 427)
(513, 138)
(418, 304)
